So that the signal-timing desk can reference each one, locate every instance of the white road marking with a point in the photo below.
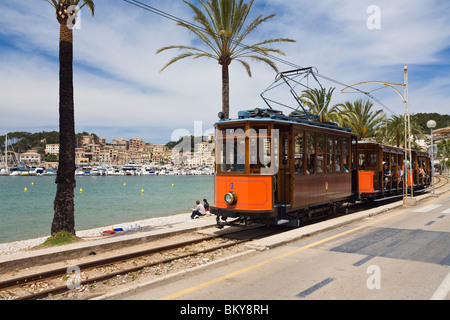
(443, 289)
(446, 211)
(428, 208)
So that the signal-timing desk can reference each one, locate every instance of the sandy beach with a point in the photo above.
(143, 225)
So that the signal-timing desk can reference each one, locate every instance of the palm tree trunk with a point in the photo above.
(225, 91)
(64, 201)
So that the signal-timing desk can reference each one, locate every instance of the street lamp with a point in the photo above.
(407, 201)
(432, 124)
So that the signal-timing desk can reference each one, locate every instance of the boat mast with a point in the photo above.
(6, 152)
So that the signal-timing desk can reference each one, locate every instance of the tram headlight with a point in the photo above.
(230, 198)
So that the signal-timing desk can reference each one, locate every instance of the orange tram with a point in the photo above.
(277, 169)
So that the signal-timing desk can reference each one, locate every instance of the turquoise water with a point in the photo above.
(104, 201)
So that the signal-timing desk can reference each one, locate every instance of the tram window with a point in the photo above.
(299, 152)
(285, 151)
(227, 132)
(338, 154)
(330, 152)
(320, 152)
(232, 150)
(362, 160)
(260, 149)
(372, 159)
(311, 153)
(346, 155)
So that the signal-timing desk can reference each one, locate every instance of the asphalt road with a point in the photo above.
(401, 254)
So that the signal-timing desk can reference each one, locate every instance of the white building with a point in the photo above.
(30, 157)
(52, 149)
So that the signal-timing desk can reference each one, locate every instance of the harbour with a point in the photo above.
(26, 202)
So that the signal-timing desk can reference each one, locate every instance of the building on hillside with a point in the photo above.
(30, 157)
(120, 143)
(52, 148)
(136, 144)
(441, 134)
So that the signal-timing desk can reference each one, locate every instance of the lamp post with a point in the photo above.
(432, 124)
(407, 200)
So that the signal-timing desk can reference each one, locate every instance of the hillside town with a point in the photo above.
(94, 156)
(121, 156)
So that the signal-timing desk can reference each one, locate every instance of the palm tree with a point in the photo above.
(395, 130)
(64, 218)
(394, 133)
(318, 102)
(223, 32)
(361, 118)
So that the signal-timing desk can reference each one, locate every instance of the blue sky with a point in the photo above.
(119, 91)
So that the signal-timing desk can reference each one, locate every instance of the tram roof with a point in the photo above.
(278, 116)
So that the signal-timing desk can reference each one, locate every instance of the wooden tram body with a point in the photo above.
(373, 184)
(276, 169)
(289, 167)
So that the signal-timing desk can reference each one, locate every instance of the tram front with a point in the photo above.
(246, 156)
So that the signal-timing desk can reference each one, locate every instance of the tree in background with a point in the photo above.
(318, 102)
(444, 152)
(223, 31)
(393, 131)
(359, 116)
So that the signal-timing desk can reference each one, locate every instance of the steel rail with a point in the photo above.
(65, 288)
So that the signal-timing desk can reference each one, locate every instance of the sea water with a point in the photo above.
(104, 200)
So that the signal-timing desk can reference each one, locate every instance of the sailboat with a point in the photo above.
(5, 170)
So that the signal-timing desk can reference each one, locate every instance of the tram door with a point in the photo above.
(284, 176)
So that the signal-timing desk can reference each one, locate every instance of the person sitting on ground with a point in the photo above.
(198, 211)
(206, 206)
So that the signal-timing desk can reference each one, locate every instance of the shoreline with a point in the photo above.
(9, 248)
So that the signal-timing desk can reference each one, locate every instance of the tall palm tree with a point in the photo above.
(64, 218)
(394, 132)
(361, 118)
(318, 102)
(223, 32)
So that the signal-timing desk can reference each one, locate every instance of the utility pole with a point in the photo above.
(408, 199)
(431, 124)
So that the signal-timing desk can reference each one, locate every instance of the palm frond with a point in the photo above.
(89, 3)
(246, 66)
(224, 28)
(177, 58)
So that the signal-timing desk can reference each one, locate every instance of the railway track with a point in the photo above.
(442, 182)
(96, 277)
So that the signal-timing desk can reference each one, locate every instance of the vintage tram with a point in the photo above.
(382, 170)
(278, 169)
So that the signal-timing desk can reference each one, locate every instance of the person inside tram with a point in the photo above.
(387, 174)
(422, 173)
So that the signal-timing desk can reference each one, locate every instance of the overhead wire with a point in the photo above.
(169, 16)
